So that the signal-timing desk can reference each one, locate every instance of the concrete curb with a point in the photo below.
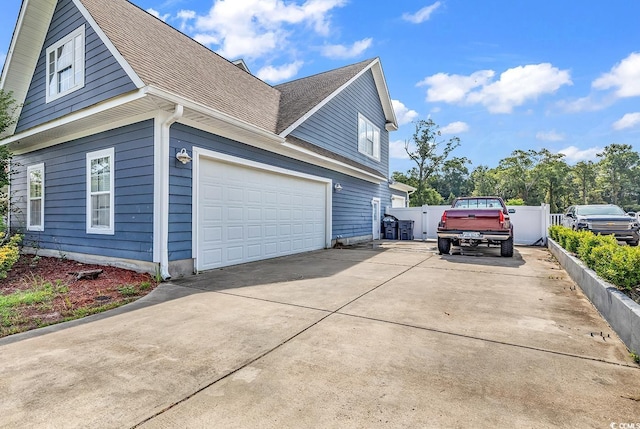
(620, 311)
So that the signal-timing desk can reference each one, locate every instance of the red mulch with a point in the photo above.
(30, 272)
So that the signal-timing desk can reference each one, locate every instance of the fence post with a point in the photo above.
(425, 221)
(546, 215)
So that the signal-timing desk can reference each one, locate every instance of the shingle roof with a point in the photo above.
(167, 59)
(300, 96)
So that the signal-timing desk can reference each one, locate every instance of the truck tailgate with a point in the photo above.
(474, 220)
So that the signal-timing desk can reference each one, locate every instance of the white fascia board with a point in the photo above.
(74, 117)
(16, 150)
(335, 165)
(24, 50)
(208, 111)
(116, 54)
(402, 187)
(383, 93)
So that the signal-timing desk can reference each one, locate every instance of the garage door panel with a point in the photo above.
(247, 214)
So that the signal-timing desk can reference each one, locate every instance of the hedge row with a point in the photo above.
(617, 264)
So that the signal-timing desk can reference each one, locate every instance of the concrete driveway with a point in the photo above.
(392, 336)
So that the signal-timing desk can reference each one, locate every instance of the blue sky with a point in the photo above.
(499, 74)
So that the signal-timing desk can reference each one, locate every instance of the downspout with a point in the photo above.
(165, 137)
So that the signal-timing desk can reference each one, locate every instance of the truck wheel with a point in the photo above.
(444, 246)
(632, 243)
(506, 248)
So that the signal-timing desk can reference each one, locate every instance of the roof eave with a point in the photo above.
(24, 50)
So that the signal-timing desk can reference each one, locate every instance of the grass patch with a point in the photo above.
(128, 290)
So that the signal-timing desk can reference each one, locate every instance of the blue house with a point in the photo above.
(138, 147)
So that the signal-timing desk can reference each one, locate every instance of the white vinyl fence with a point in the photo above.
(530, 223)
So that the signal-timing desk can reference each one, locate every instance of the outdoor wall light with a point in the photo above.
(337, 187)
(183, 156)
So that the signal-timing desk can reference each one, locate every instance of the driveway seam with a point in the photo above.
(425, 328)
(488, 340)
(267, 352)
(484, 272)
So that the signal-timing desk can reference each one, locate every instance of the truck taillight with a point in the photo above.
(501, 217)
(444, 217)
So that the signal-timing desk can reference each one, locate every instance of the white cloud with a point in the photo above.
(343, 52)
(155, 13)
(573, 154)
(455, 128)
(185, 16)
(454, 88)
(397, 149)
(624, 77)
(550, 136)
(422, 15)
(584, 104)
(277, 74)
(515, 86)
(629, 120)
(253, 28)
(403, 114)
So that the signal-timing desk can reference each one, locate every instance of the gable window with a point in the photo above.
(35, 197)
(65, 65)
(368, 138)
(100, 201)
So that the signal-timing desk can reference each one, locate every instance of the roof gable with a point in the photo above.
(301, 98)
(158, 57)
(166, 59)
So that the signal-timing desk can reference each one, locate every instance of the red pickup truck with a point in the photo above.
(475, 220)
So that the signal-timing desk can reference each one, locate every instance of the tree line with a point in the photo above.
(525, 177)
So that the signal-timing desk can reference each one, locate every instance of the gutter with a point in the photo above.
(161, 180)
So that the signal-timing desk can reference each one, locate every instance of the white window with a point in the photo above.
(100, 201)
(368, 138)
(65, 65)
(35, 198)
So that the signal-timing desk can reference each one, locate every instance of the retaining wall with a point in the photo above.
(621, 312)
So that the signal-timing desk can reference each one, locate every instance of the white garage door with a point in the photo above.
(247, 214)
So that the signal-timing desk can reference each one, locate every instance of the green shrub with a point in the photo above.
(590, 241)
(554, 231)
(614, 263)
(621, 267)
(9, 254)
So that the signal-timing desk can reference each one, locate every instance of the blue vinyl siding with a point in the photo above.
(65, 207)
(351, 207)
(104, 78)
(335, 125)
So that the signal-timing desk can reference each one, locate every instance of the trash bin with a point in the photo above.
(390, 227)
(405, 229)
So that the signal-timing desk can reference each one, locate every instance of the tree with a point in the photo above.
(429, 154)
(552, 173)
(453, 179)
(8, 108)
(518, 177)
(483, 181)
(616, 165)
(584, 176)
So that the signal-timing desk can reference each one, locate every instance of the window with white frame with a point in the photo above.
(368, 138)
(35, 197)
(100, 195)
(65, 65)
